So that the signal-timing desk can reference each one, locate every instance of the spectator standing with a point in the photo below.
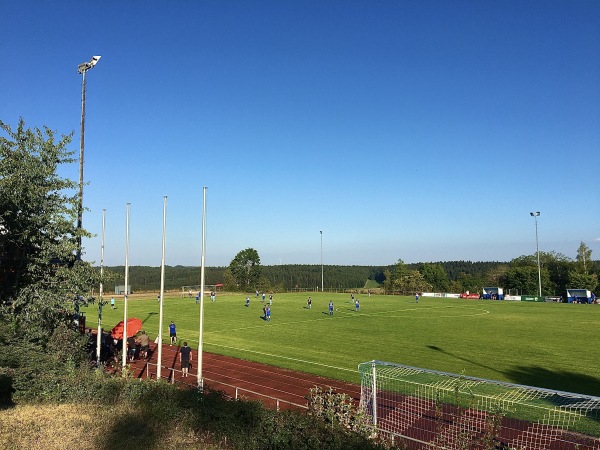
(131, 348)
(144, 345)
(185, 357)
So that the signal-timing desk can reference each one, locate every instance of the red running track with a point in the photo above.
(273, 386)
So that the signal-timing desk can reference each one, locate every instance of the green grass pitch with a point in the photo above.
(547, 345)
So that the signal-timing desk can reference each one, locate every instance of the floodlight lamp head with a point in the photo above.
(84, 67)
(534, 214)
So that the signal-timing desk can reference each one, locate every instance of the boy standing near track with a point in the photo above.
(173, 333)
(185, 356)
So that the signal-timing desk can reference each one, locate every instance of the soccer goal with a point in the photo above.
(429, 409)
(192, 290)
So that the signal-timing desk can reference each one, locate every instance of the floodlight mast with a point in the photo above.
(322, 285)
(535, 216)
(82, 69)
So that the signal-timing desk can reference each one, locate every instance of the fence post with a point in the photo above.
(277, 404)
(236, 393)
(374, 396)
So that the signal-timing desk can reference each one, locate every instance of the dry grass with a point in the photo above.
(56, 427)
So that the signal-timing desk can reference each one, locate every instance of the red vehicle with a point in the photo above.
(468, 295)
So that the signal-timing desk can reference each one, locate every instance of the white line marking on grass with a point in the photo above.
(278, 356)
(416, 308)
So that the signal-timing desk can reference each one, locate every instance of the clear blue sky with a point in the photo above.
(420, 130)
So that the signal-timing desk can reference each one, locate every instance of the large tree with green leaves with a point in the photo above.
(41, 282)
(405, 280)
(435, 275)
(244, 271)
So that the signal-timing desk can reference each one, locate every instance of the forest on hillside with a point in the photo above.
(519, 275)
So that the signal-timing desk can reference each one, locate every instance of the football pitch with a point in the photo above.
(547, 345)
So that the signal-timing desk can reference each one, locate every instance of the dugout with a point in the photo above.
(493, 293)
(579, 296)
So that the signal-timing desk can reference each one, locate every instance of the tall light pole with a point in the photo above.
(321, 260)
(201, 321)
(537, 246)
(82, 69)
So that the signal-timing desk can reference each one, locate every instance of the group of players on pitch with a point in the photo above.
(267, 309)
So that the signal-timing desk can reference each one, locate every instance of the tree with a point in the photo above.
(245, 269)
(584, 256)
(406, 280)
(41, 283)
(435, 275)
(578, 280)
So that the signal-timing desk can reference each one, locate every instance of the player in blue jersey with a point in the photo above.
(173, 333)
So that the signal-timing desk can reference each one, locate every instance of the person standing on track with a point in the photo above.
(144, 345)
(173, 332)
(185, 357)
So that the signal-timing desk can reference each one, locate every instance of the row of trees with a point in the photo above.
(557, 273)
(245, 273)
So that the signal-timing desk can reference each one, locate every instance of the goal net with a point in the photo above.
(429, 409)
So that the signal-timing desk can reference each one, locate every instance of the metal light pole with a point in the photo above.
(128, 209)
(201, 321)
(537, 246)
(162, 291)
(82, 69)
(321, 260)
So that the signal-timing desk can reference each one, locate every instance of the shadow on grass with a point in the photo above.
(150, 314)
(557, 380)
(130, 431)
(470, 361)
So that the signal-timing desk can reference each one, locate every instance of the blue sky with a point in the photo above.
(420, 130)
